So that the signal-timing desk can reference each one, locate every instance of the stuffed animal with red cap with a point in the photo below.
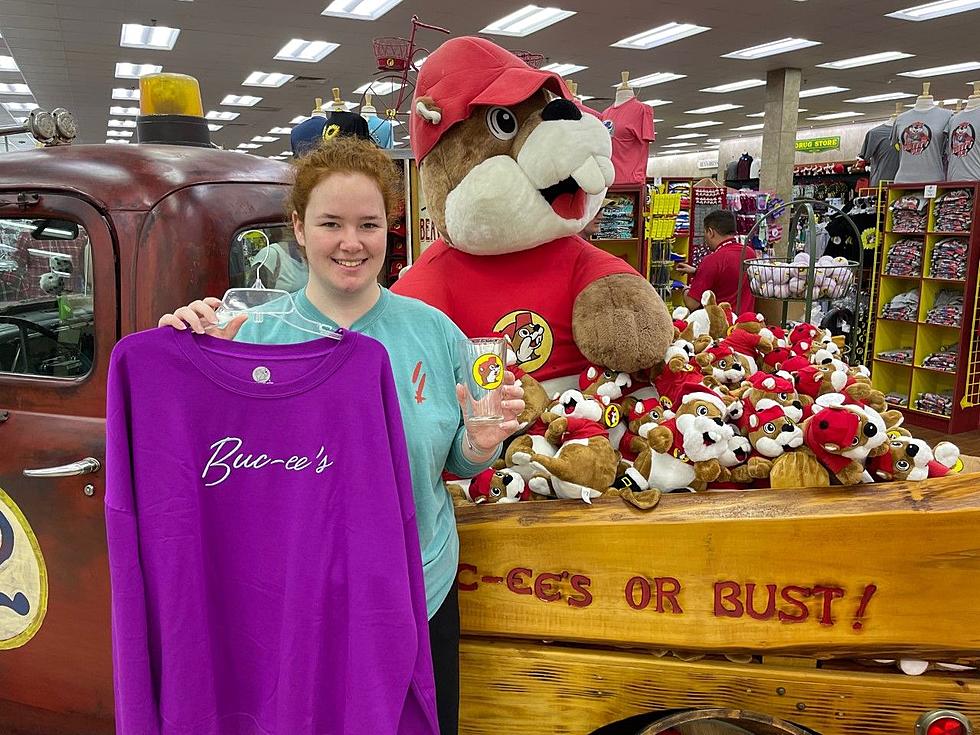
(491, 486)
(747, 337)
(644, 416)
(512, 171)
(908, 458)
(761, 391)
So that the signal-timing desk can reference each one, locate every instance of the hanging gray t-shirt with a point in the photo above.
(921, 138)
(880, 152)
(963, 151)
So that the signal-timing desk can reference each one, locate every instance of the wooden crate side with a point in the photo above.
(820, 574)
(538, 689)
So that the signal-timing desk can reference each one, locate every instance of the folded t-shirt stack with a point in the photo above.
(945, 359)
(904, 258)
(902, 355)
(909, 214)
(953, 211)
(947, 309)
(949, 259)
(897, 399)
(904, 307)
(941, 403)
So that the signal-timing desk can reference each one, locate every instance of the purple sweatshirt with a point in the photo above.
(264, 559)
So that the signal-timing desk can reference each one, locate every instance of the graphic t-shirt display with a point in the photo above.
(247, 490)
(631, 126)
(880, 152)
(963, 151)
(382, 131)
(921, 139)
(512, 299)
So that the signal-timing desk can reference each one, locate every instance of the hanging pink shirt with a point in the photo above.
(631, 127)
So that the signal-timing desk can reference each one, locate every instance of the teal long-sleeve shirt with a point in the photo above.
(421, 343)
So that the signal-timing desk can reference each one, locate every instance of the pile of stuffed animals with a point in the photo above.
(736, 404)
(832, 277)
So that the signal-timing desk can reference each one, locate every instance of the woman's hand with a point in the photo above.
(200, 316)
(482, 439)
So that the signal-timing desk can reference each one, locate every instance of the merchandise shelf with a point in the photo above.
(922, 337)
(629, 204)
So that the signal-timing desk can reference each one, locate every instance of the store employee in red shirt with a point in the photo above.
(719, 270)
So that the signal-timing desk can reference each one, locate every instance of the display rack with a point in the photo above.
(905, 349)
(621, 230)
(668, 223)
(880, 195)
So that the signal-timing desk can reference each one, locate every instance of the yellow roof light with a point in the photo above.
(170, 94)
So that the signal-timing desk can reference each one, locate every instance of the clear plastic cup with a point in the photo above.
(483, 361)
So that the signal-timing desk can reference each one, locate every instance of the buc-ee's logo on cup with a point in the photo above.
(23, 577)
(488, 371)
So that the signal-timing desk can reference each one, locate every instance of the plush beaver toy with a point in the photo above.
(511, 171)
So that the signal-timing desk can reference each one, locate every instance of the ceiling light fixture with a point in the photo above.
(125, 70)
(713, 108)
(686, 136)
(158, 38)
(264, 139)
(119, 133)
(122, 123)
(713, 140)
(702, 124)
(736, 86)
(20, 106)
(280, 131)
(649, 80)
(249, 146)
(526, 21)
(121, 93)
(15, 89)
(222, 115)
(378, 89)
(266, 79)
(359, 9)
(113, 141)
(214, 128)
(660, 35)
(836, 116)
(817, 91)
(881, 97)
(772, 48)
(757, 126)
(244, 100)
(564, 70)
(115, 111)
(7, 63)
(309, 51)
(934, 10)
(866, 60)
(679, 145)
(656, 103)
(936, 71)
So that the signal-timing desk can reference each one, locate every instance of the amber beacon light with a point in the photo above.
(171, 111)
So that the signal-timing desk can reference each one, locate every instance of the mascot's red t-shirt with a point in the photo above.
(527, 296)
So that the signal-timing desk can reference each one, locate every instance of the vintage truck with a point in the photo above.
(755, 612)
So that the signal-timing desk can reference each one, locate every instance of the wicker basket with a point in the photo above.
(392, 53)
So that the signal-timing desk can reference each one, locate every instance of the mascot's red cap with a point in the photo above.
(771, 383)
(464, 73)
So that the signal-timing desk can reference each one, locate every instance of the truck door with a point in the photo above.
(58, 323)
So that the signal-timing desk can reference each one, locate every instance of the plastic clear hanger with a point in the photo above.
(260, 302)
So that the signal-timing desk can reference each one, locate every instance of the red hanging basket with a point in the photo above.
(392, 53)
(535, 61)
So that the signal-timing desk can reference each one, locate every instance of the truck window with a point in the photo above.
(46, 298)
(272, 254)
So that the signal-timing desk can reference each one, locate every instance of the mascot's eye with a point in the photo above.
(870, 430)
(608, 374)
(502, 123)
(896, 444)
(902, 465)
(769, 428)
(702, 410)
(854, 442)
(783, 396)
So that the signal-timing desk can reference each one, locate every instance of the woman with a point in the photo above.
(340, 204)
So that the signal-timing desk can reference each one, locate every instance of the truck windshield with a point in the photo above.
(46, 299)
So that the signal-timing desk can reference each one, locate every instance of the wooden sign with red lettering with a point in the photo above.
(815, 572)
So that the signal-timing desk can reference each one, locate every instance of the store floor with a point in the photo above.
(968, 442)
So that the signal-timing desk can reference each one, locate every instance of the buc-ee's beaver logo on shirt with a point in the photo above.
(962, 139)
(530, 338)
(916, 138)
(23, 577)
